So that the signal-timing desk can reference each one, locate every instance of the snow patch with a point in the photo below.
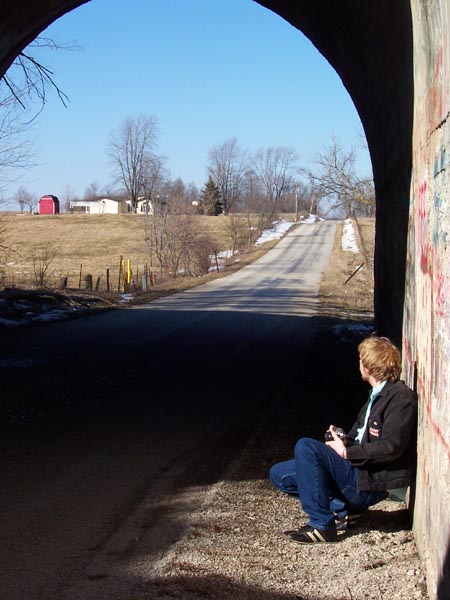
(349, 243)
(311, 219)
(274, 233)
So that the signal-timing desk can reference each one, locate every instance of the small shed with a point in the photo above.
(49, 205)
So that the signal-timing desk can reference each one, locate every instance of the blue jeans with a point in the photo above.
(326, 484)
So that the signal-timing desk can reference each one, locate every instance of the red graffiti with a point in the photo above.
(436, 90)
(438, 288)
(423, 397)
(421, 225)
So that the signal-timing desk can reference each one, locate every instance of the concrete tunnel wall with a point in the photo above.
(393, 58)
(426, 326)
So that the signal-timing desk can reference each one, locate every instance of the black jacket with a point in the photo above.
(386, 456)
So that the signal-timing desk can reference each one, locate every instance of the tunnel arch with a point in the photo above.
(393, 58)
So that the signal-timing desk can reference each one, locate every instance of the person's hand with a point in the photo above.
(337, 444)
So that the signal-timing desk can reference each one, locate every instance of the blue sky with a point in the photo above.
(207, 69)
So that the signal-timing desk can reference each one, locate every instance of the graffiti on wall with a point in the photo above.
(429, 337)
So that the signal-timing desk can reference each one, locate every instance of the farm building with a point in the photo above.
(100, 206)
(146, 206)
(48, 205)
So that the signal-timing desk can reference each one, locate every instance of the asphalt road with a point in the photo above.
(106, 411)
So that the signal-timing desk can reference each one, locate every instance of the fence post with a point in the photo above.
(120, 273)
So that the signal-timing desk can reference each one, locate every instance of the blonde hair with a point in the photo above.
(381, 358)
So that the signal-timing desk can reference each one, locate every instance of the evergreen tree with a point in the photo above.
(210, 202)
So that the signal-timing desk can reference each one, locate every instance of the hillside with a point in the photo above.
(84, 244)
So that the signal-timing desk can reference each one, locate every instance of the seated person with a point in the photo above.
(338, 479)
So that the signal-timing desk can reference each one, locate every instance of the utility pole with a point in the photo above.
(312, 203)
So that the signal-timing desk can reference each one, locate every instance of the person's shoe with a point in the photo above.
(311, 535)
(350, 521)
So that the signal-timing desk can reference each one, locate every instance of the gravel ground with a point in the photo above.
(234, 548)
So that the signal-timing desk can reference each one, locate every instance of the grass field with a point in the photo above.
(91, 244)
(337, 291)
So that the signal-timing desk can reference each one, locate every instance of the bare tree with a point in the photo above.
(68, 197)
(175, 241)
(200, 254)
(297, 199)
(25, 199)
(42, 259)
(93, 191)
(366, 196)
(275, 167)
(6, 247)
(254, 202)
(154, 179)
(191, 194)
(334, 177)
(26, 80)
(179, 196)
(16, 148)
(239, 229)
(29, 78)
(227, 165)
(5, 240)
(132, 152)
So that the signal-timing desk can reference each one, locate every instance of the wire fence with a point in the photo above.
(120, 279)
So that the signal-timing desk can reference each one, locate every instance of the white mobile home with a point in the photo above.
(100, 206)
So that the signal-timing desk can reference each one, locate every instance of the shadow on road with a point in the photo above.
(151, 416)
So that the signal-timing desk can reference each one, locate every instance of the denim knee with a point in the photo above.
(274, 477)
(283, 478)
(304, 446)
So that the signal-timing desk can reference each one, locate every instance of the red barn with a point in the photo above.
(49, 205)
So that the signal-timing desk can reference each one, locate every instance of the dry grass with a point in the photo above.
(95, 243)
(338, 292)
(91, 244)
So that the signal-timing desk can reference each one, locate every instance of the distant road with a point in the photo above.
(140, 401)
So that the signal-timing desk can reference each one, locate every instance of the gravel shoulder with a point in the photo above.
(234, 549)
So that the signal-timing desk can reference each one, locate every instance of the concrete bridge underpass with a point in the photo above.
(393, 58)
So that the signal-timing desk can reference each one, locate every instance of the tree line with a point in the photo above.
(267, 181)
